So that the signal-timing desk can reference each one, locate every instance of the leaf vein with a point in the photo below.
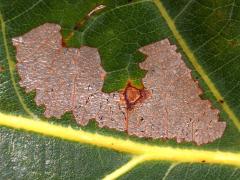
(11, 66)
(192, 58)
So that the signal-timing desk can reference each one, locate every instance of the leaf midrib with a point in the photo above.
(150, 152)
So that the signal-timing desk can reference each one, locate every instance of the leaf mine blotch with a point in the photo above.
(65, 79)
(175, 109)
(70, 80)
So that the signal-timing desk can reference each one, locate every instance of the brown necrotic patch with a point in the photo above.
(65, 79)
(96, 9)
(132, 96)
(1, 69)
(70, 79)
(82, 22)
(174, 110)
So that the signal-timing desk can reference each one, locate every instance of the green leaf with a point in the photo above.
(206, 33)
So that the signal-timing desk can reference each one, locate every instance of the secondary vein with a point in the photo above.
(11, 66)
(195, 63)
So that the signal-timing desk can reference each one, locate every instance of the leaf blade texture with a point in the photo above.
(206, 34)
(69, 79)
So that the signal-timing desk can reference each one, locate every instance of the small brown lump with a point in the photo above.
(132, 94)
(70, 80)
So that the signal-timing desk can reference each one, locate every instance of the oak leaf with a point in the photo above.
(70, 79)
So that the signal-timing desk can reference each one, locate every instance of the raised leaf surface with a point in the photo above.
(205, 33)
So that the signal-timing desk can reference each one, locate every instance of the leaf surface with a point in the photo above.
(206, 34)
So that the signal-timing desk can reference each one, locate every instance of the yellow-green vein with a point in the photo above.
(150, 152)
(11, 66)
(195, 63)
(136, 160)
(169, 170)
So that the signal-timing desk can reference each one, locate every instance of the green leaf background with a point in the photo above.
(207, 35)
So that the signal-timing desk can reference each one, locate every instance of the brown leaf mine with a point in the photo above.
(65, 79)
(174, 110)
(70, 79)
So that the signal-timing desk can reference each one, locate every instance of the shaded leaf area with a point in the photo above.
(168, 171)
(211, 28)
(30, 156)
